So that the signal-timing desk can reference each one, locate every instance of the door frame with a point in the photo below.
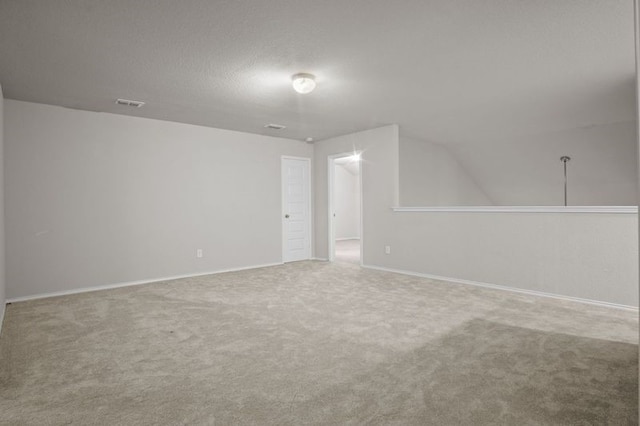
(331, 208)
(283, 240)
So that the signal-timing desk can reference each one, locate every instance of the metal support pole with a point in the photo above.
(564, 160)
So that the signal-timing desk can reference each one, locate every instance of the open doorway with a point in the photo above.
(345, 208)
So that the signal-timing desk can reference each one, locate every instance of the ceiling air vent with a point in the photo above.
(275, 126)
(127, 102)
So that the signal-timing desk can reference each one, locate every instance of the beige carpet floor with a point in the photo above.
(316, 343)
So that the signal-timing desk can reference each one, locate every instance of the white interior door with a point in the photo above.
(296, 209)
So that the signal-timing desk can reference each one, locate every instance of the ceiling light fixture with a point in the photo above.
(303, 83)
(128, 102)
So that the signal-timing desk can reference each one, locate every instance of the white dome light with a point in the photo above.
(303, 83)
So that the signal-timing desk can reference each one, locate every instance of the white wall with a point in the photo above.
(2, 248)
(346, 203)
(96, 199)
(431, 176)
(589, 256)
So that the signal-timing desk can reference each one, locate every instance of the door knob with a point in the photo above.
(286, 216)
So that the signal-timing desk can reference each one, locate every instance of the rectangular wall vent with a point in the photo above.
(127, 102)
(275, 126)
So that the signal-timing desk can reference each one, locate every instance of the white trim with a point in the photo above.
(347, 238)
(331, 247)
(310, 205)
(293, 157)
(132, 283)
(523, 209)
(506, 288)
(360, 188)
(331, 176)
(320, 259)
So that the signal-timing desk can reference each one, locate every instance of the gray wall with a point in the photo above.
(636, 17)
(527, 171)
(98, 199)
(379, 162)
(2, 249)
(347, 203)
(95, 199)
(583, 255)
(431, 176)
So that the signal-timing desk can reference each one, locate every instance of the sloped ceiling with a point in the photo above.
(453, 72)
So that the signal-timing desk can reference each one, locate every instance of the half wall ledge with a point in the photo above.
(521, 209)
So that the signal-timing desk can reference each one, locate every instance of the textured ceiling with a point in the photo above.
(447, 71)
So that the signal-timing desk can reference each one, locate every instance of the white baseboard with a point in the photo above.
(505, 288)
(347, 238)
(131, 283)
(321, 259)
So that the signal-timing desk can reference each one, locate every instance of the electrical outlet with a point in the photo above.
(199, 253)
(387, 249)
